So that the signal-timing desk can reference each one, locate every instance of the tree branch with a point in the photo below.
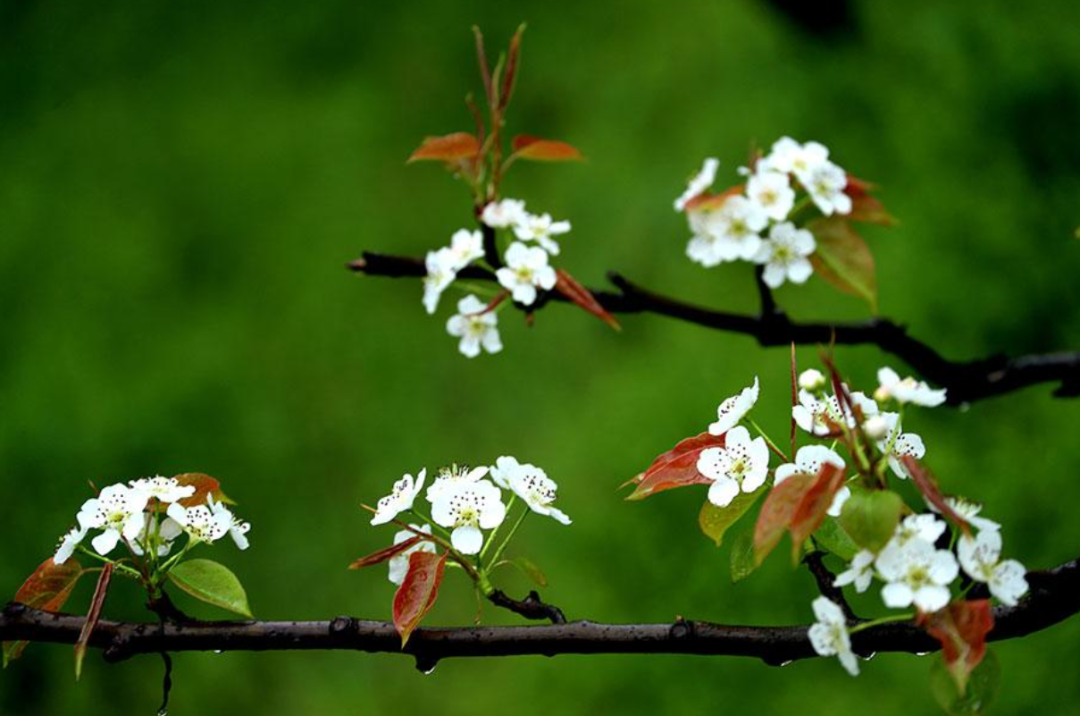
(1054, 596)
(966, 381)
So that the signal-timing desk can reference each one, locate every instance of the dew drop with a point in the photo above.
(426, 665)
(871, 655)
(964, 407)
(921, 653)
(163, 712)
(218, 651)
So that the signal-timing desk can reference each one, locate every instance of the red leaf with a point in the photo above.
(675, 468)
(512, 59)
(92, 617)
(448, 148)
(843, 258)
(865, 207)
(815, 503)
(928, 487)
(961, 628)
(708, 202)
(48, 589)
(568, 286)
(205, 486)
(544, 150)
(384, 554)
(798, 505)
(417, 593)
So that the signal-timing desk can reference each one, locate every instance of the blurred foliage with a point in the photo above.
(181, 185)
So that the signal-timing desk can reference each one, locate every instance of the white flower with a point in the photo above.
(400, 499)
(860, 572)
(809, 461)
(503, 214)
(699, 183)
(467, 508)
(907, 390)
(771, 192)
(829, 636)
(163, 489)
(68, 543)
(476, 326)
(741, 464)
(399, 563)
(118, 510)
(526, 269)
(449, 478)
(819, 416)
(916, 572)
(168, 530)
(465, 247)
(734, 409)
(787, 155)
(440, 274)
(238, 529)
(531, 484)
(903, 444)
(825, 183)
(981, 558)
(876, 427)
(784, 255)
(201, 524)
(540, 228)
(735, 226)
(927, 528)
(811, 380)
(969, 512)
(702, 246)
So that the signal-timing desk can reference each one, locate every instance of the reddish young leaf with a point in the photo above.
(961, 628)
(544, 150)
(864, 207)
(92, 617)
(928, 487)
(417, 593)
(205, 486)
(384, 554)
(513, 58)
(448, 148)
(776, 514)
(811, 510)
(843, 258)
(675, 468)
(708, 202)
(568, 286)
(48, 589)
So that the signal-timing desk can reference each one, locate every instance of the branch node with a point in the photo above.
(681, 629)
(341, 626)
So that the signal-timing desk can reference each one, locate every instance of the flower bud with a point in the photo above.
(875, 427)
(811, 380)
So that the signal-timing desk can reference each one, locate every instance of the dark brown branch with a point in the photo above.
(531, 607)
(825, 579)
(1054, 596)
(966, 381)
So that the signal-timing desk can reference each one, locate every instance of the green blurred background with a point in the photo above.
(182, 184)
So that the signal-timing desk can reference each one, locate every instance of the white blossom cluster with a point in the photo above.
(146, 515)
(464, 504)
(758, 224)
(526, 270)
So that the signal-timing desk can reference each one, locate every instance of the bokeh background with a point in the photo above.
(181, 185)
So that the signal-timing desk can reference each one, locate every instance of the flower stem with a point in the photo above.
(768, 440)
(513, 531)
(877, 622)
(495, 532)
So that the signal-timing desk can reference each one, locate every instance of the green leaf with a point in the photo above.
(715, 521)
(529, 569)
(213, 583)
(742, 556)
(832, 537)
(843, 259)
(48, 589)
(870, 517)
(980, 693)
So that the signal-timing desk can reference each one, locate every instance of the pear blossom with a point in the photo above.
(916, 573)
(829, 635)
(526, 270)
(163, 489)
(907, 390)
(818, 416)
(399, 563)
(68, 543)
(503, 214)
(476, 326)
(466, 509)
(771, 192)
(451, 477)
(876, 427)
(400, 499)
(200, 523)
(742, 464)
(699, 183)
(784, 255)
(237, 528)
(859, 573)
(980, 557)
(809, 460)
(902, 444)
(531, 484)
(118, 511)
(441, 272)
(701, 248)
(540, 228)
(927, 528)
(167, 531)
(734, 409)
(735, 227)
(969, 512)
(465, 247)
(789, 156)
(811, 380)
(825, 183)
